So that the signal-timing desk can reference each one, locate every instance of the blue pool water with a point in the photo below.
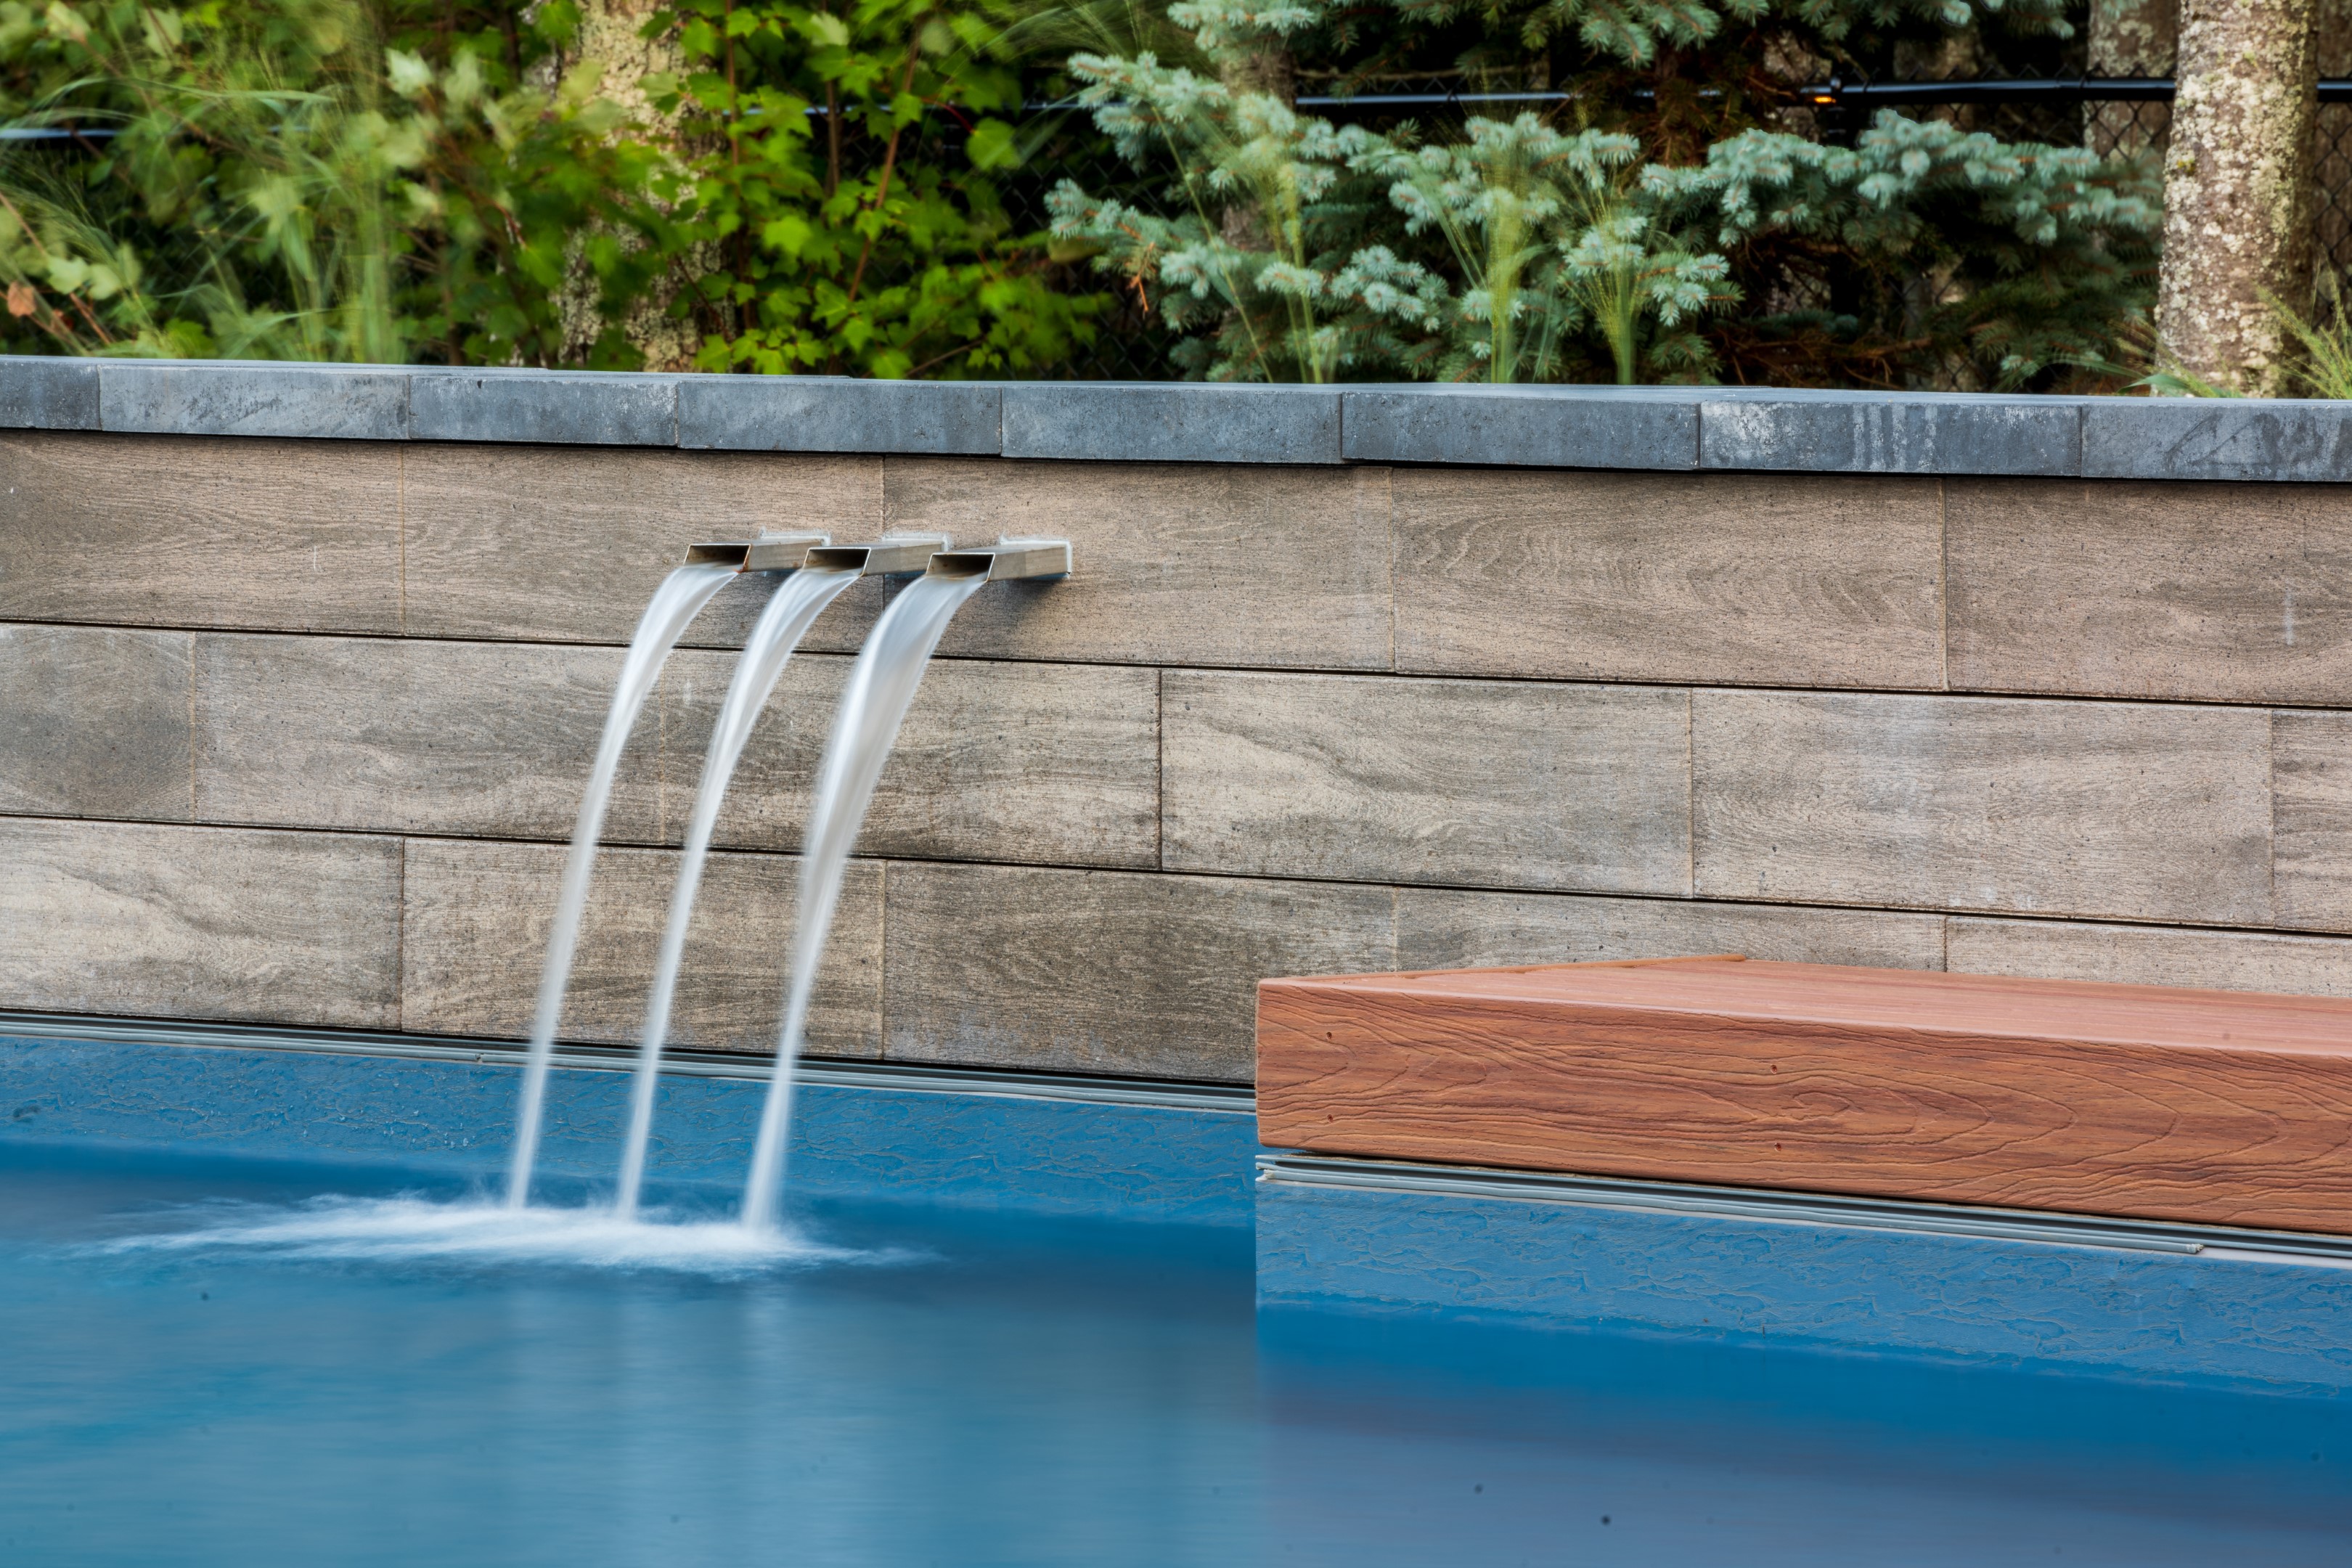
(948, 1386)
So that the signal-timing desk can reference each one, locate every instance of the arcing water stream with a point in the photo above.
(881, 685)
(673, 607)
(796, 604)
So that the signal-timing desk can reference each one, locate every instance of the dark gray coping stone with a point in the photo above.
(47, 393)
(1525, 426)
(1890, 433)
(582, 408)
(246, 397)
(839, 413)
(2281, 439)
(1171, 422)
(1722, 429)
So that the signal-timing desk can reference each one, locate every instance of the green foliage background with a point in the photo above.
(840, 188)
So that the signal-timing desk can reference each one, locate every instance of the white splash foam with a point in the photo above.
(415, 1230)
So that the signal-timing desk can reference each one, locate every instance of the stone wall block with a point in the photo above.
(2216, 439)
(1547, 427)
(837, 414)
(2312, 781)
(1371, 778)
(39, 392)
(1162, 423)
(2209, 593)
(2126, 810)
(192, 531)
(621, 408)
(1742, 580)
(2152, 955)
(559, 545)
(1057, 763)
(410, 735)
(479, 915)
(200, 922)
(361, 403)
(1108, 971)
(94, 722)
(1447, 928)
(1175, 565)
(1824, 432)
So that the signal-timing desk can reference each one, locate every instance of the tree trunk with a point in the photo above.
(608, 38)
(2132, 38)
(2237, 190)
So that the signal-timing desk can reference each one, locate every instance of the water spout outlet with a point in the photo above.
(1006, 561)
(719, 553)
(892, 555)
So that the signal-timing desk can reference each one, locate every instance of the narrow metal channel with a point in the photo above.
(1006, 1082)
(1807, 1208)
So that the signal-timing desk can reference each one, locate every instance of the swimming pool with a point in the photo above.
(954, 1385)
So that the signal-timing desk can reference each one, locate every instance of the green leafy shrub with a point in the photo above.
(284, 179)
(1681, 239)
(823, 225)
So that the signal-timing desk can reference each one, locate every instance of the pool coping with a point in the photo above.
(1670, 428)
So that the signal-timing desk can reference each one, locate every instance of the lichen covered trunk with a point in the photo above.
(2237, 189)
(611, 39)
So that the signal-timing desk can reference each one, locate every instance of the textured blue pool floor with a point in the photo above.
(1020, 1390)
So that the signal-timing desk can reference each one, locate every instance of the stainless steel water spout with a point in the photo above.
(719, 553)
(1006, 561)
(767, 553)
(783, 551)
(892, 555)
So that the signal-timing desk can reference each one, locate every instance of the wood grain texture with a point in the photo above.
(998, 761)
(200, 922)
(565, 544)
(1443, 929)
(2151, 956)
(1743, 579)
(1372, 778)
(487, 739)
(2122, 810)
(200, 531)
(2223, 1108)
(1106, 970)
(2212, 592)
(478, 917)
(1176, 563)
(2311, 819)
(95, 722)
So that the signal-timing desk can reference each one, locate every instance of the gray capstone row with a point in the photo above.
(1749, 428)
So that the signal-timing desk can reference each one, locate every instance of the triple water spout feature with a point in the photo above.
(814, 572)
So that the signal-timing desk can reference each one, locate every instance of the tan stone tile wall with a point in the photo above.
(293, 732)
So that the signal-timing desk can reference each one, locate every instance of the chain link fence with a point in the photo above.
(2121, 111)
